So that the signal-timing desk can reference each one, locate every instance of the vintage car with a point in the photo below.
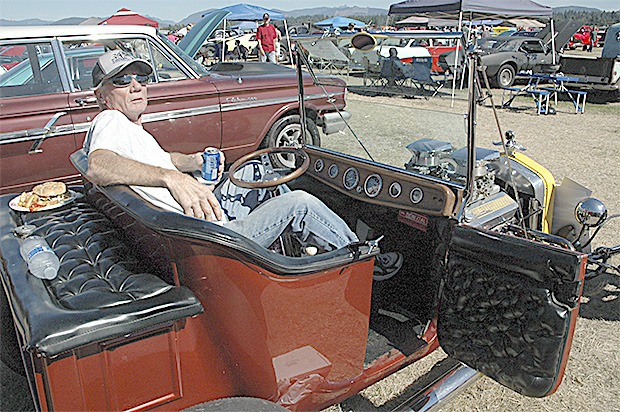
(47, 101)
(157, 310)
(505, 56)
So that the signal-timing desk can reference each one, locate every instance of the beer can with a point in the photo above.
(210, 164)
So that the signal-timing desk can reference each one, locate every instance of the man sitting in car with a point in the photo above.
(121, 151)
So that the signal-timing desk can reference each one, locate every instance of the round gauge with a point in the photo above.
(319, 165)
(351, 178)
(332, 171)
(395, 190)
(373, 185)
(416, 195)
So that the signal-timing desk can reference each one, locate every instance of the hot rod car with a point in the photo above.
(156, 310)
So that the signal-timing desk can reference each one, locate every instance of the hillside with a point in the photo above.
(349, 11)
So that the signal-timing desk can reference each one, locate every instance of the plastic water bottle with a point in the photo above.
(41, 259)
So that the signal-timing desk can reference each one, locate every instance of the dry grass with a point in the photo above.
(587, 149)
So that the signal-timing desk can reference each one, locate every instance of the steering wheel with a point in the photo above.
(271, 178)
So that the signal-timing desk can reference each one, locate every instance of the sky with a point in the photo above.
(177, 10)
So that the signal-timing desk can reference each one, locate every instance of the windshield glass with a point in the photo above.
(198, 68)
(403, 116)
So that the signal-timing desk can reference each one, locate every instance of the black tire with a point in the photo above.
(505, 76)
(284, 57)
(237, 405)
(286, 131)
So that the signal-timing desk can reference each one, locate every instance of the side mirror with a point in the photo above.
(591, 212)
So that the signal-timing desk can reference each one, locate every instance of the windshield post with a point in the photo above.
(300, 91)
(472, 63)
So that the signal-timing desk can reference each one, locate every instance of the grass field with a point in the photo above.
(586, 148)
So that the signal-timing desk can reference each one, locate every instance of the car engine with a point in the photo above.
(493, 201)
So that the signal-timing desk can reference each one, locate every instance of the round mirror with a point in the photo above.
(591, 212)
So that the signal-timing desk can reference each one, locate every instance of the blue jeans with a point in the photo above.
(268, 56)
(254, 215)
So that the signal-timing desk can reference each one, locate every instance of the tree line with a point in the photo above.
(598, 18)
(594, 18)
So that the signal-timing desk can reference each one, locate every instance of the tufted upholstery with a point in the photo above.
(103, 289)
(506, 309)
(97, 268)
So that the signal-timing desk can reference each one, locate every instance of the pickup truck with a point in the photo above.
(47, 101)
(599, 76)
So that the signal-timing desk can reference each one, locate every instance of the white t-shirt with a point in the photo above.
(112, 130)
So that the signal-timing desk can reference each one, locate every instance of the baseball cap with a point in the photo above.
(111, 63)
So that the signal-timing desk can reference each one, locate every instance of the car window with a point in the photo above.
(81, 56)
(165, 68)
(532, 47)
(31, 69)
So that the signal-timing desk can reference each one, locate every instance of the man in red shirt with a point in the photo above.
(266, 34)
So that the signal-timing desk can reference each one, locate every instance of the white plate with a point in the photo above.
(13, 204)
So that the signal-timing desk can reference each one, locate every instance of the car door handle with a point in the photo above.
(82, 101)
(49, 127)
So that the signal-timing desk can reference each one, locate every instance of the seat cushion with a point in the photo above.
(102, 290)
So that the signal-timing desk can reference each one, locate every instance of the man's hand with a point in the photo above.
(193, 162)
(196, 199)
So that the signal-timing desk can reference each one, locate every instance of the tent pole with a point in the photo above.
(469, 41)
(288, 41)
(456, 58)
(552, 42)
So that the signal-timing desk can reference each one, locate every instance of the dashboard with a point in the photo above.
(375, 183)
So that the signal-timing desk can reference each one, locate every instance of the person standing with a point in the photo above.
(593, 38)
(266, 34)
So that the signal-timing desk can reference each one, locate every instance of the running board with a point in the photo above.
(441, 391)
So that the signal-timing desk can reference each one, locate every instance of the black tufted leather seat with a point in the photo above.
(102, 290)
(97, 268)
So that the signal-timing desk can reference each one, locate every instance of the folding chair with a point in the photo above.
(326, 56)
(423, 79)
(372, 70)
(395, 74)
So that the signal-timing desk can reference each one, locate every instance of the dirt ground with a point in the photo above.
(585, 147)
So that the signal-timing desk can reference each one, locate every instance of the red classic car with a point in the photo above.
(47, 101)
(155, 310)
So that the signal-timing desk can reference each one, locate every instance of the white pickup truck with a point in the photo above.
(599, 76)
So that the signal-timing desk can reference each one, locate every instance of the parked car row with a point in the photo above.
(505, 56)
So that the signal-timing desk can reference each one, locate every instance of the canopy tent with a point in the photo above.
(126, 16)
(526, 23)
(249, 12)
(245, 26)
(476, 8)
(487, 8)
(340, 22)
(432, 22)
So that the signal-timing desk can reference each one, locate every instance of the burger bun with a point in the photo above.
(50, 189)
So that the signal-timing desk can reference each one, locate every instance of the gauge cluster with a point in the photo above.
(371, 182)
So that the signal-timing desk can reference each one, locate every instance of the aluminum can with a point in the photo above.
(210, 164)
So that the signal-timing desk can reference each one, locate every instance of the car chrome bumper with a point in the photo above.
(441, 391)
(335, 122)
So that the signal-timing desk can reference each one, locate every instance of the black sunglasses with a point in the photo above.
(125, 80)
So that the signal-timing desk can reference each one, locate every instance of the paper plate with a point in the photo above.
(13, 204)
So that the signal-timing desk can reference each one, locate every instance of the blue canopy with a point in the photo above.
(339, 21)
(249, 12)
(245, 25)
